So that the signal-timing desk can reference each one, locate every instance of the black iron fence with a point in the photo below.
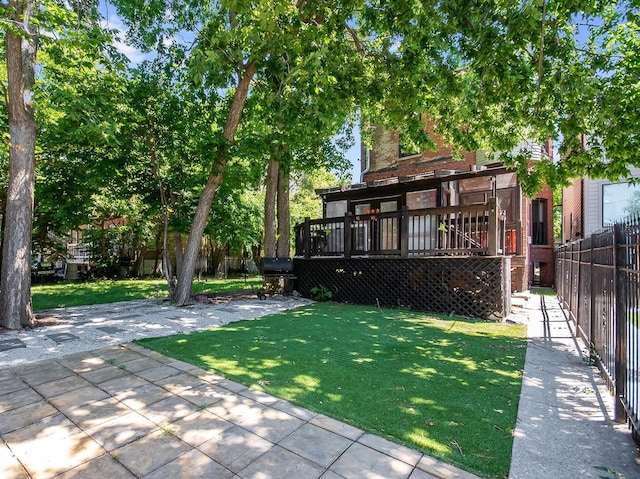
(598, 283)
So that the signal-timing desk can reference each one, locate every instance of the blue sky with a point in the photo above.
(353, 155)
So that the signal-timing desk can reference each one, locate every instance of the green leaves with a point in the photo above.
(495, 73)
(487, 74)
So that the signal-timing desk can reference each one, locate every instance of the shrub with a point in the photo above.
(321, 293)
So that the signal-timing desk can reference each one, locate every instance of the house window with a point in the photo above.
(475, 191)
(540, 222)
(481, 183)
(479, 198)
(405, 150)
(336, 208)
(418, 200)
(507, 202)
(363, 209)
(387, 206)
(619, 200)
(506, 180)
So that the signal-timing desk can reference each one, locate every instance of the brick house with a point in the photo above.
(392, 180)
(529, 220)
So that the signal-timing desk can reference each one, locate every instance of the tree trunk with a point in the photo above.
(185, 277)
(284, 216)
(166, 260)
(3, 223)
(138, 265)
(187, 270)
(177, 239)
(270, 209)
(156, 256)
(15, 276)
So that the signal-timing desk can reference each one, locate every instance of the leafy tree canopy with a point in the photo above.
(492, 74)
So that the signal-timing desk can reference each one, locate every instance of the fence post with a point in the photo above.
(591, 291)
(493, 227)
(579, 289)
(619, 291)
(404, 232)
(347, 235)
(296, 235)
(573, 283)
(557, 272)
(563, 272)
(307, 238)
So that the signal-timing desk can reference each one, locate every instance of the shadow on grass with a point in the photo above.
(449, 387)
(102, 291)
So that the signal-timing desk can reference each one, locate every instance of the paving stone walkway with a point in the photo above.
(85, 328)
(127, 412)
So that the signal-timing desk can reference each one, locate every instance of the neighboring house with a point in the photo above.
(394, 180)
(589, 206)
(145, 261)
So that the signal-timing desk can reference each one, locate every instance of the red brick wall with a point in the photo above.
(519, 270)
(385, 161)
(543, 254)
(572, 215)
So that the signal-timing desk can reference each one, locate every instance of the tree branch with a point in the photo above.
(355, 37)
(541, 54)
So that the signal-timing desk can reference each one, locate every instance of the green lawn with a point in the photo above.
(78, 293)
(447, 386)
(543, 291)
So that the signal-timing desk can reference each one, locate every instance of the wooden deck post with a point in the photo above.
(307, 237)
(404, 232)
(493, 227)
(347, 234)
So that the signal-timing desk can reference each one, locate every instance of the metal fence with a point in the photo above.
(598, 283)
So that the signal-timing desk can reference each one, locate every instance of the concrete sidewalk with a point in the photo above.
(565, 423)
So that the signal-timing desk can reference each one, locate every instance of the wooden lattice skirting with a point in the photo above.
(477, 286)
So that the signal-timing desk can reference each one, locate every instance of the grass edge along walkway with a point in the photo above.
(446, 386)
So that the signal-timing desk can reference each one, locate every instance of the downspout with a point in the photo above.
(367, 162)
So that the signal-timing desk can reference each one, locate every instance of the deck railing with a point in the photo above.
(77, 253)
(451, 230)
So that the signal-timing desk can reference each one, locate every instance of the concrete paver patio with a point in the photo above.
(125, 412)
